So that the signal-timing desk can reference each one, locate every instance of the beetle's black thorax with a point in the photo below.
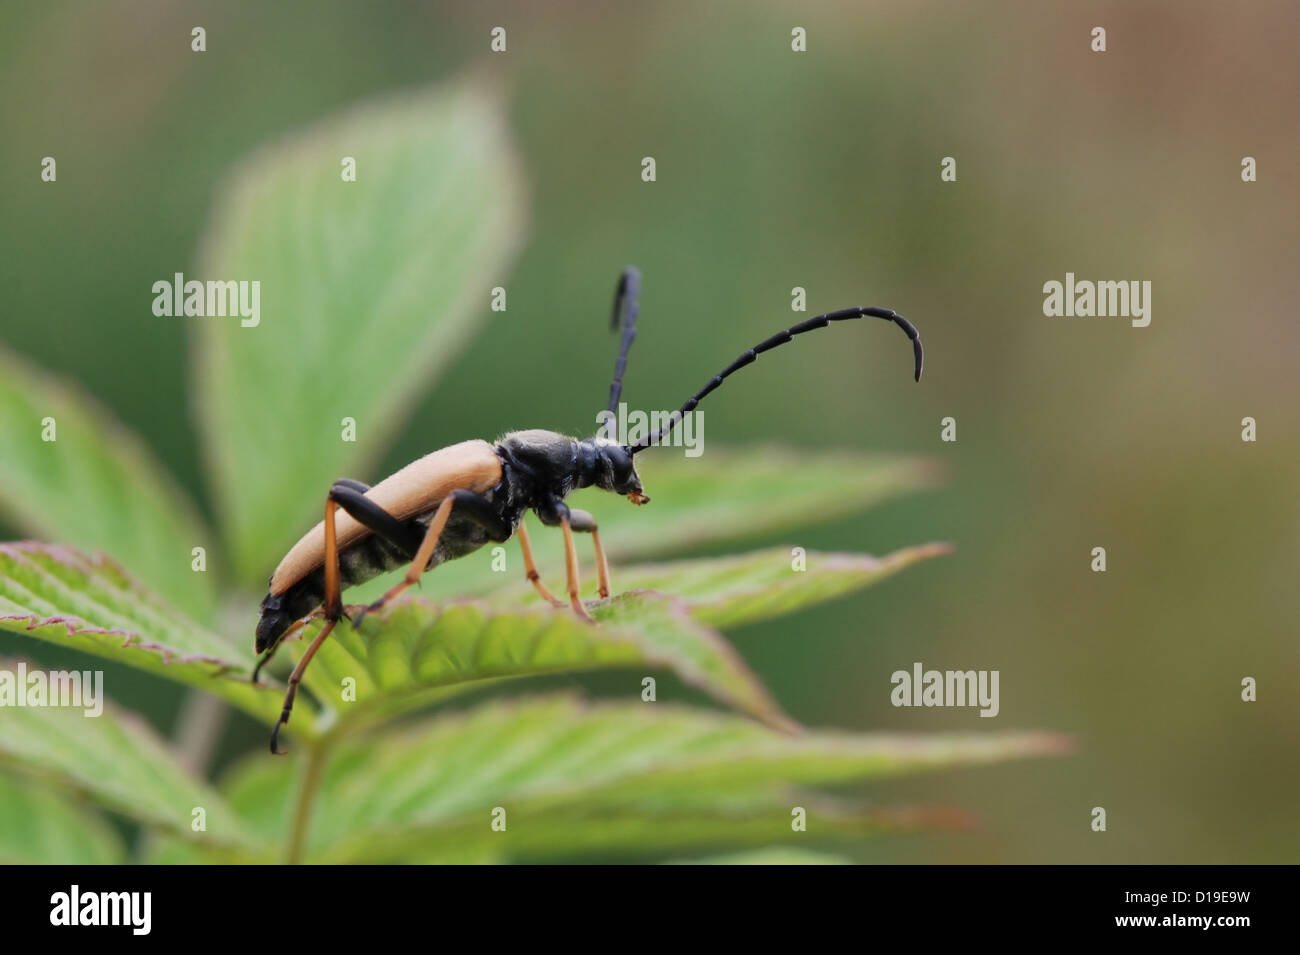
(542, 467)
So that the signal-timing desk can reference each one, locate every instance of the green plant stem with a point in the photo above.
(316, 759)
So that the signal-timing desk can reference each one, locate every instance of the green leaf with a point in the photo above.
(721, 496)
(117, 760)
(734, 494)
(418, 652)
(744, 588)
(576, 778)
(368, 290)
(95, 486)
(40, 826)
(89, 603)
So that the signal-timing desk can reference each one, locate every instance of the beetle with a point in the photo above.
(453, 501)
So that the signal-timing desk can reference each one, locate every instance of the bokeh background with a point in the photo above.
(821, 170)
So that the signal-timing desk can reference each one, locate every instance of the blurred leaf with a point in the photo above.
(118, 761)
(730, 591)
(740, 589)
(572, 832)
(369, 289)
(172, 850)
(41, 826)
(770, 857)
(95, 486)
(89, 603)
(721, 496)
(418, 652)
(575, 777)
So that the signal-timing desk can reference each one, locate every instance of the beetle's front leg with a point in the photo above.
(583, 522)
(557, 512)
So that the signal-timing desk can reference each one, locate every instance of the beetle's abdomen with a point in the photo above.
(415, 490)
(362, 561)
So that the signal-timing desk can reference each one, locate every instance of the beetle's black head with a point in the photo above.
(614, 470)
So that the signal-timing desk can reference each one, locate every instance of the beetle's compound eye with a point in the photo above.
(621, 474)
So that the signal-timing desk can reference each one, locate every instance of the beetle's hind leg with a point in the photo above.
(294, 679)
(332, 609)
(475, 507)
(351, 496)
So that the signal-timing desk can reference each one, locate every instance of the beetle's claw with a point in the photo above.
(275, 739)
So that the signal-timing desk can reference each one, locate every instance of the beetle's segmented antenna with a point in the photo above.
(780, 338)
(626, 305)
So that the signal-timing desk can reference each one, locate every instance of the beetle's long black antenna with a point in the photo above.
(626, 306)
(780, 338)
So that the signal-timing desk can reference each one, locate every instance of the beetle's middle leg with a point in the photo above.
(530, 567)
(475, 507)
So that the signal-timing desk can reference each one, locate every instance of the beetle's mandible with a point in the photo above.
(453, 501)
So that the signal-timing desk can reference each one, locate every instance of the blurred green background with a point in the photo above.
(820, 170)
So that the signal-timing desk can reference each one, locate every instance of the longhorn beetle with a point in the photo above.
(453, 501)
